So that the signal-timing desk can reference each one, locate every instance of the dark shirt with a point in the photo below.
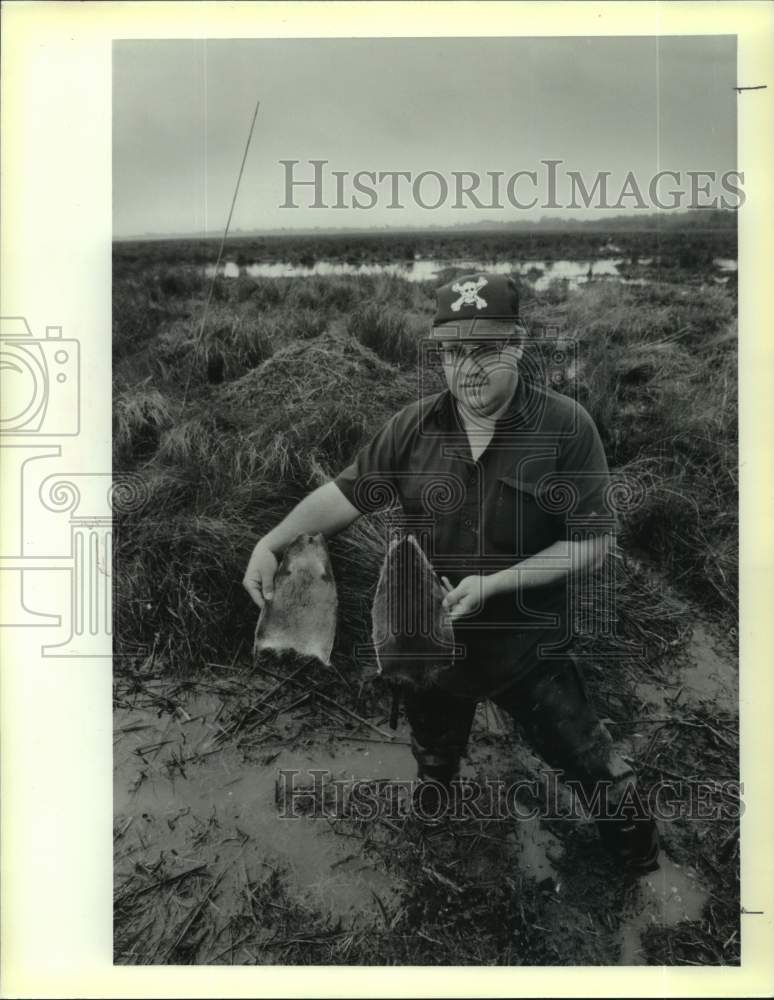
(542, 478)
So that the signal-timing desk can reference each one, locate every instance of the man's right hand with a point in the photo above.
(259, 576)
(326, 509)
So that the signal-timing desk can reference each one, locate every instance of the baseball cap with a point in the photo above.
(477, 296)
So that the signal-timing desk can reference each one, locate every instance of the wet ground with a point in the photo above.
(204, 781)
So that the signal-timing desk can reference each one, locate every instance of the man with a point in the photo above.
(504, 482)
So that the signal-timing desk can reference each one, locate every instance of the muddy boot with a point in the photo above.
(634, 843)
(433, 796)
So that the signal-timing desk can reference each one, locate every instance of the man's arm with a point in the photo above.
(582, 466)
(326, 510)
(329, 509)
(561, 561)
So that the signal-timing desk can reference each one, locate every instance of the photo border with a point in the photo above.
(56, 715)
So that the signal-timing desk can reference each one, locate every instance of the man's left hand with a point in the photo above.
(466, 598)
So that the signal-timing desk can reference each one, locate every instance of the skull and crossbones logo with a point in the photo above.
(468, 294)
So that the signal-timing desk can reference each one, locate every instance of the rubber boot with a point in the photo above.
(634, 843)
(432, 797)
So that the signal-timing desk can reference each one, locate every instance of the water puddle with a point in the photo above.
(708, 677)
(180, 796)
(663, 898)
(538, 850)
(702, 676)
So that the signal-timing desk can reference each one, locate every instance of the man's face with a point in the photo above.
(481, 373)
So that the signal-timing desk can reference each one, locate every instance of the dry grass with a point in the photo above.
(390, 333)
(140, 417)
(315, 403)
(227, 473)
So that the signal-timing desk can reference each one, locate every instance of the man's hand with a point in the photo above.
(259, 575)
(326, 509)
(466, 598)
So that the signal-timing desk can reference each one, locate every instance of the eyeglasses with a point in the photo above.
(482, 349)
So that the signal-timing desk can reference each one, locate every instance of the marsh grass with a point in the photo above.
(140, 416)
(315, 403)
(230, 467)
(388, 332)
(656, 367)
(311, 367)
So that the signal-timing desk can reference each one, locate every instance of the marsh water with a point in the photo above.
(539, 273)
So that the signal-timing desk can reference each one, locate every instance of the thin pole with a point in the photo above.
(220, 252)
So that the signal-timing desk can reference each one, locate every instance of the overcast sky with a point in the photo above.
(182, 111)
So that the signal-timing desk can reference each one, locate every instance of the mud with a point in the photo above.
(188, 794)
(203, 804)
(662, 898)
(704, 674)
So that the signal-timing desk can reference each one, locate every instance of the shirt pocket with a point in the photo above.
(413, 495)
(521, 526)
(437, 495)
